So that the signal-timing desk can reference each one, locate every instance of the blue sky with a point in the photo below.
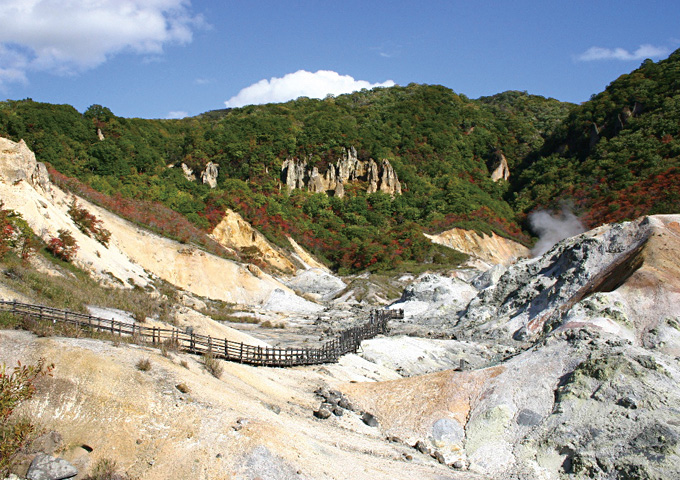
(171, 58)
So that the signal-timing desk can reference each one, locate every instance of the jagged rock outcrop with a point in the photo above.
(339, 189)
(18, 163)
(372, 176)
(293, 172)
(296, 174)
(188, 173)
(499, 168)
(209, 175)
(389, 183)
(235, 233)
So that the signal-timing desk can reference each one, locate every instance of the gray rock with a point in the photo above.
(447, 430)
(322, 413)
(528, 418)
(369, 419)
(46, 467)
(47, 443)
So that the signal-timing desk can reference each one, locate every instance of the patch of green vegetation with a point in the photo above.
(604, 368)
(673, 322)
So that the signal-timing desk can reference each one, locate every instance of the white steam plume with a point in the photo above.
(551, 229)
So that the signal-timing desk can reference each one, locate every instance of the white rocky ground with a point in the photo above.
(582, 363)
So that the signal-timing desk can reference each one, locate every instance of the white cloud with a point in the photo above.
(643, 52)
(70, 36)
(300, 84)
(177, 114)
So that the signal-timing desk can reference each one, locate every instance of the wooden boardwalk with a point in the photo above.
(347, 341)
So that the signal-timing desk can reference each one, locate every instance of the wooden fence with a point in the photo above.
(347, 341)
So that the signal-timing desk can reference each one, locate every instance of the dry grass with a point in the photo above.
(75, 290)
(270, 324)
(106, 469)
(169, 346)
(143, 365)
(212, 365)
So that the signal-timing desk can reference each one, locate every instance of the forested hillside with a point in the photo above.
(616, 156)
(612, 158)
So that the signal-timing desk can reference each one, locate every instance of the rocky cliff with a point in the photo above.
(235, 233)
(208, 176)
(18, 163)
(492, 249)
(295, 173)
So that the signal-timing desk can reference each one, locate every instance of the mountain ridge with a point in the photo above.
(602, 158)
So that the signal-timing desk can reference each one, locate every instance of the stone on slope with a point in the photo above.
(46, 467)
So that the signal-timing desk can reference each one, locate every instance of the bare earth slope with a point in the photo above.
(134, 256)
(491, 249)
(251, 423)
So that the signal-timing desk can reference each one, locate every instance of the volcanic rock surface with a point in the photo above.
(579, 376)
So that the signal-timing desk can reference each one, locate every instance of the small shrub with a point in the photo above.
(168, 346)
(64, 246)
(16, 387)
(88, 223)
(182, 387)
(16, 234)
(212, 365)
(143, 364)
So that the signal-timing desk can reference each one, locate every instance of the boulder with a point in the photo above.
(46, 467)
